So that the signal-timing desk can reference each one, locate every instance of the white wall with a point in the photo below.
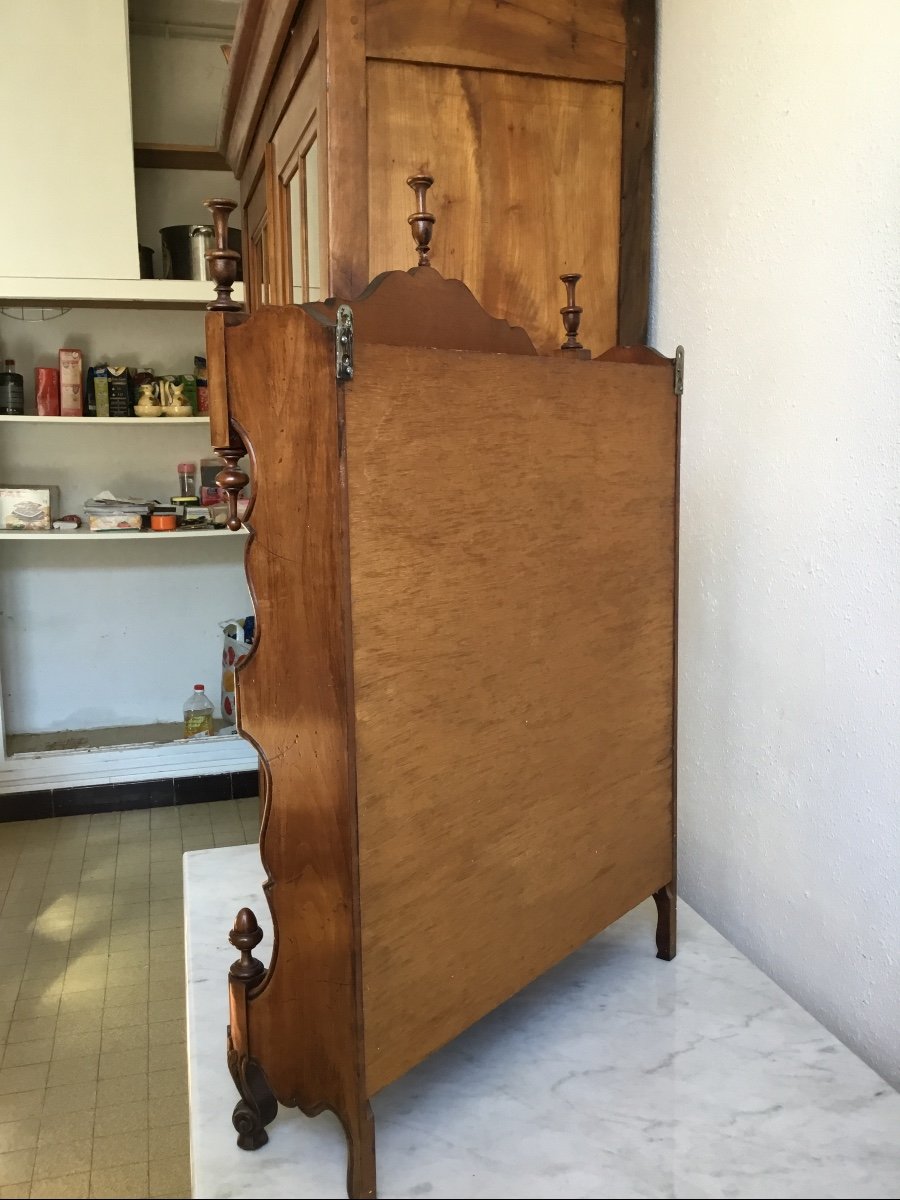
(777, 261)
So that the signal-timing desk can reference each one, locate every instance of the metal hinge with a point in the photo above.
(343, 343)
(679, 370)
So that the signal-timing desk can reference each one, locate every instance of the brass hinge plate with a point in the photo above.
(679, 370)
(343, 343)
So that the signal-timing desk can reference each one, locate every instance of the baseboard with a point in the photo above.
(121, 797)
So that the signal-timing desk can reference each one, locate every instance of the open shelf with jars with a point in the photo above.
(112, 633)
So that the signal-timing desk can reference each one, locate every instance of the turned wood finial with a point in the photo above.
(571, 314)
(421, 222)
(245, 937)
(232, 481)
(223, 263)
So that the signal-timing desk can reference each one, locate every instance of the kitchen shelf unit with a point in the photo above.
(106, 293)
(155, 422)
(111, 535)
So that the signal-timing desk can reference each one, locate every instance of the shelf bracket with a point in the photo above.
(343, 343)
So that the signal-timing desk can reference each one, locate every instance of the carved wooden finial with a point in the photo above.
(245, 937)
(223, 263)
(421, 222)
(232, 482)
(571, 314)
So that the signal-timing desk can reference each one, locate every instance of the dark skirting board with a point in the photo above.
(120, 797)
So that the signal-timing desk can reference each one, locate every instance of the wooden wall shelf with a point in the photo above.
(178, 157)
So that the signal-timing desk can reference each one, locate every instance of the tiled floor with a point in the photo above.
(93, 1081)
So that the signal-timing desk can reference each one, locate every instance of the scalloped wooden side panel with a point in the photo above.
(304, 1019)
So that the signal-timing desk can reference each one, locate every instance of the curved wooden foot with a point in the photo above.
(257, 1106)
(665, 922)
(361, 1156)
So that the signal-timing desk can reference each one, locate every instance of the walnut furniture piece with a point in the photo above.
(463, 563)
(536, 120)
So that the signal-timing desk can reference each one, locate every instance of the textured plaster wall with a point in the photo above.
(777, 264)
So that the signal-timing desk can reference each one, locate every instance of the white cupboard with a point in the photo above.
(67, 206)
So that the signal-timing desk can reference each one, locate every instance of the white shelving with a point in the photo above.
(153, 293)
(110, 535)
(123, 422)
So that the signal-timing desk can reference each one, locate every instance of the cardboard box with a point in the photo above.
(46, 391)
(28, 507)
(119, 392)
(101, 390)
(110, 522)
(71, 398)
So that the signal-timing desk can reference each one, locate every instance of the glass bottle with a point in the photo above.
(198, 714)
(12, 390)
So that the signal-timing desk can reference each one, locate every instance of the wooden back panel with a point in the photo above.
(527, 181)
(512, 546)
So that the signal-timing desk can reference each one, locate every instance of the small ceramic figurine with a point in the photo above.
(147, 404)
(173, 400)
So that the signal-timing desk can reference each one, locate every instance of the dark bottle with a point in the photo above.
(12, 391)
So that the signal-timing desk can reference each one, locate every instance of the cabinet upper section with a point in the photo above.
(535, 121)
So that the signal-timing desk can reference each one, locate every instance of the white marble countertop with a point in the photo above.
(613, 1075)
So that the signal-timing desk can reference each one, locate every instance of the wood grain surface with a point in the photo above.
(571, 39)
(526, 187)
(512, 543)
(422, 308)
(637, 173)
(305, 1020)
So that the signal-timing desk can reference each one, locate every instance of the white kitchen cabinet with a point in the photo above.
(67, 206)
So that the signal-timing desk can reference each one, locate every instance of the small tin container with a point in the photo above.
(162, 520)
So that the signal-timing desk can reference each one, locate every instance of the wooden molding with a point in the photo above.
(637, 172)
(259, 36)
(643, 356)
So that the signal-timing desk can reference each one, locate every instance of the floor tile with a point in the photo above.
(23, 1079)
(120, 1149)
(66, 1126)
(123, 1090)
(54, 1158)
(67, 1097)
(170, 1176)
(69, 1071)
(16, 1166)
(123, 1062)
(122, 1118)
(22, 1054)
(76, 1045)
(62, 1187)
(124, 1182)
(19, 1105)
(18, 1135)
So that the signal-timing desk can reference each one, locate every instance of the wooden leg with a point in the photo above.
(361, 1155)
(257, 1105)
(665, 922)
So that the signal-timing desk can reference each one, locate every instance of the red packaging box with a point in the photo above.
(71, 397)
(46, 391)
